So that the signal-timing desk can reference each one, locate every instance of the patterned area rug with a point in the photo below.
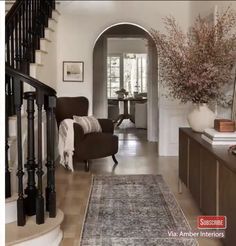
(133, 210)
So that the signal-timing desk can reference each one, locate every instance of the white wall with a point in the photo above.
(81, 22)
(126, 45)
(206, 8)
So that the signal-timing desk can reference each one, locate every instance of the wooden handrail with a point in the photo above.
(30, 80)
(13, 10)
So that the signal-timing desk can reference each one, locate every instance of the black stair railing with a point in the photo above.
(31, 200)
(24, 26)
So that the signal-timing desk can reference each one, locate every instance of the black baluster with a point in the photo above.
(31, 31)
(7, 172)
(40, 198)
(20, 41)
(48, 163)
(16, 41)
(31, 190)
(53, 4)
(46, 9)
(37, 25)
(10, 96)
(7, 38)
(33, 28)
(12, 43)
(24, 62)
(26, 41)
(18, 97)
(49, 3)
(50, 104)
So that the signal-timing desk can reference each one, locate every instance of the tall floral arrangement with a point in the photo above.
(194, 66)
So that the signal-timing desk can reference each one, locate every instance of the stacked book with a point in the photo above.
(219, 138)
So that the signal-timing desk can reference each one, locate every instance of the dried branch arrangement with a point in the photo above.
(195, 65)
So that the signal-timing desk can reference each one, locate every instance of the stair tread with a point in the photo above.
(36, 64)
(53, 19)
(57, 11)
(17, 234)
(13, 117)
(13, 198)
(46, 39)
(42, 51)
(11, 139)
(50, 29)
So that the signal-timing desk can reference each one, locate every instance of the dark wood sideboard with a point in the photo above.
(209, 172)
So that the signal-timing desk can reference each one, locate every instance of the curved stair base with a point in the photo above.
(48, 233)
(52, 238)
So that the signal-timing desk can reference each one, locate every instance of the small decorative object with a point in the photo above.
(122, 93)
(214, 137)
(73, 71)
(224, 125)
(194, 66)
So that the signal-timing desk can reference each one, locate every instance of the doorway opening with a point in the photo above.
(127, 73)
(125, 80)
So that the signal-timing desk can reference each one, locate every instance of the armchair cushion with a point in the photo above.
(88, 123)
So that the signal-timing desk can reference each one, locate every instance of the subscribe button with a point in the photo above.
(211, 222)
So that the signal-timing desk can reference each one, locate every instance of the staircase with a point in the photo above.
(31, 214)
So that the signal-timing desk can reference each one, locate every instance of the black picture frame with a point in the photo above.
(73, 71)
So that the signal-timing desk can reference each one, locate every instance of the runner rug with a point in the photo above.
(133, 210)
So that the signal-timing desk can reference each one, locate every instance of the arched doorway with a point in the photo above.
(125, 30)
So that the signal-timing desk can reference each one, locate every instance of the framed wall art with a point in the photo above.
(73, 71)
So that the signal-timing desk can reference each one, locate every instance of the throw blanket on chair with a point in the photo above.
(66, 143)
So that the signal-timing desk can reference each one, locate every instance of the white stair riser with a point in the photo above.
(43, 44)
(35, 70)
(52, 238)
(55, 15)
(52, 23)
(12, 126)
(40, 57)
(47, 34)
(10, 212)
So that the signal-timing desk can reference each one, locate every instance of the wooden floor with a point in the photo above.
(136, 156)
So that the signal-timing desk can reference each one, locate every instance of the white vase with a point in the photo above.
(201, 118)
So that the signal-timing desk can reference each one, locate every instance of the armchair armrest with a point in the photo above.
(106, 125)
(78, 134)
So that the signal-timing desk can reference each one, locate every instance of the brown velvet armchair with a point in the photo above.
(92, 145)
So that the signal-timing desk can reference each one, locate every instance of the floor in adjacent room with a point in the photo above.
(136, 156)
